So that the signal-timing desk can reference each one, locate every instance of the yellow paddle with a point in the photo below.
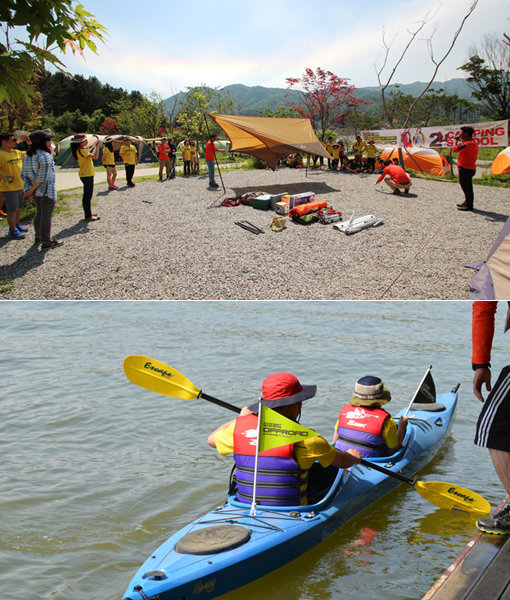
(444, 495)
(158, 377)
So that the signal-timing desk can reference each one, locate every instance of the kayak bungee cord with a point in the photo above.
(231, 516)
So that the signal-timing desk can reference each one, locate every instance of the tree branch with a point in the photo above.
(438, 64)
(387, 47)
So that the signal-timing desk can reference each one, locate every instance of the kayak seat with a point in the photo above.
(212, 540)
(320, 480)
(429, 406)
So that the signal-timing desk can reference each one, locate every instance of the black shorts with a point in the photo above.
(109, 166)
(493, 427)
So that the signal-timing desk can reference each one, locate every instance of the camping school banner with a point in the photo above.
(490, 133)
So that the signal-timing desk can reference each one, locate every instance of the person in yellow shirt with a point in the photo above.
(129, 155)
(371, 151)
(11, 184)
(286, 470)
(358, 148)
(329, 148)
(86, 160)
(186, 157)
(335, 155)
(364, 425)
(194, 157)
(109, 164)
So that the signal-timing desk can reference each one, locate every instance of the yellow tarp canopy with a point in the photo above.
(270, 138)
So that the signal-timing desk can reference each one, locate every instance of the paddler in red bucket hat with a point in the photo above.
(283, 472)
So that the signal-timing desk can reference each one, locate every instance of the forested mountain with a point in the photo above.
(68, 104)
(61, 93)
(252, 100)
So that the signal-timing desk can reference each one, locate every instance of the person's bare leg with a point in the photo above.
(501, 462)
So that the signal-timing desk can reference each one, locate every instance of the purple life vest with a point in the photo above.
(361, 428)
(278, 478)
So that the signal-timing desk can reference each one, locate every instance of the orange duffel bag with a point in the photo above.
(304, 209)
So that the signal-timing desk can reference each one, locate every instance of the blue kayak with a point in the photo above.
(227, 548)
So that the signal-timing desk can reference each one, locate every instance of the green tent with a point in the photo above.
(65, 159)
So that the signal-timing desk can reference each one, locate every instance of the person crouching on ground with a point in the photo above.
(283, 479)
(365, 426)
(108, 159)
(129, 155)
(85, 160)
(395, 178)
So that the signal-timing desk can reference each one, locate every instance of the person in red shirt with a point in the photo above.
(493, 426)
(467, 149)
(164, 159)
(210, 151)
(395, 177)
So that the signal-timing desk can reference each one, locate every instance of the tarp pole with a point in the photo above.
(215, 157)
(413, 159)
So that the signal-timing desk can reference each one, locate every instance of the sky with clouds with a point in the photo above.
(165, 46)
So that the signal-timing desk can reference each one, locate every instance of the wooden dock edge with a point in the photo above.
(480, 572)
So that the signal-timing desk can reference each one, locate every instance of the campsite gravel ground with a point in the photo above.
(173, 240)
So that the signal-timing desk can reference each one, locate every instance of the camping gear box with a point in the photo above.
(282, 208)
(262, 202)
(275, 198)
(297, 199)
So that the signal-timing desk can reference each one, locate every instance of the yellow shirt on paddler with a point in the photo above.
(128, 154)
(306, 452)
(86, 163)
(11, 164)
(108, 157)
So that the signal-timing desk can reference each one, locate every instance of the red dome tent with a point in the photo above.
(426, 160)
(501, 164)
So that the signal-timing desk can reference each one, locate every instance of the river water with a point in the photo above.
(96, 472)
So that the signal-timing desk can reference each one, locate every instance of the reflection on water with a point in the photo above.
(96, 472)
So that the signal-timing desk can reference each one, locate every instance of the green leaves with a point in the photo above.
(48, 24)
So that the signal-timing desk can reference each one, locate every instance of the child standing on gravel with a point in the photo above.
(129, 155)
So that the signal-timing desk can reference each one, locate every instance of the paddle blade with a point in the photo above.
(157, 377)
(448, 495)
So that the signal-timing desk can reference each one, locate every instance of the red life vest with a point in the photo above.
(278, 480)
(361, 428)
